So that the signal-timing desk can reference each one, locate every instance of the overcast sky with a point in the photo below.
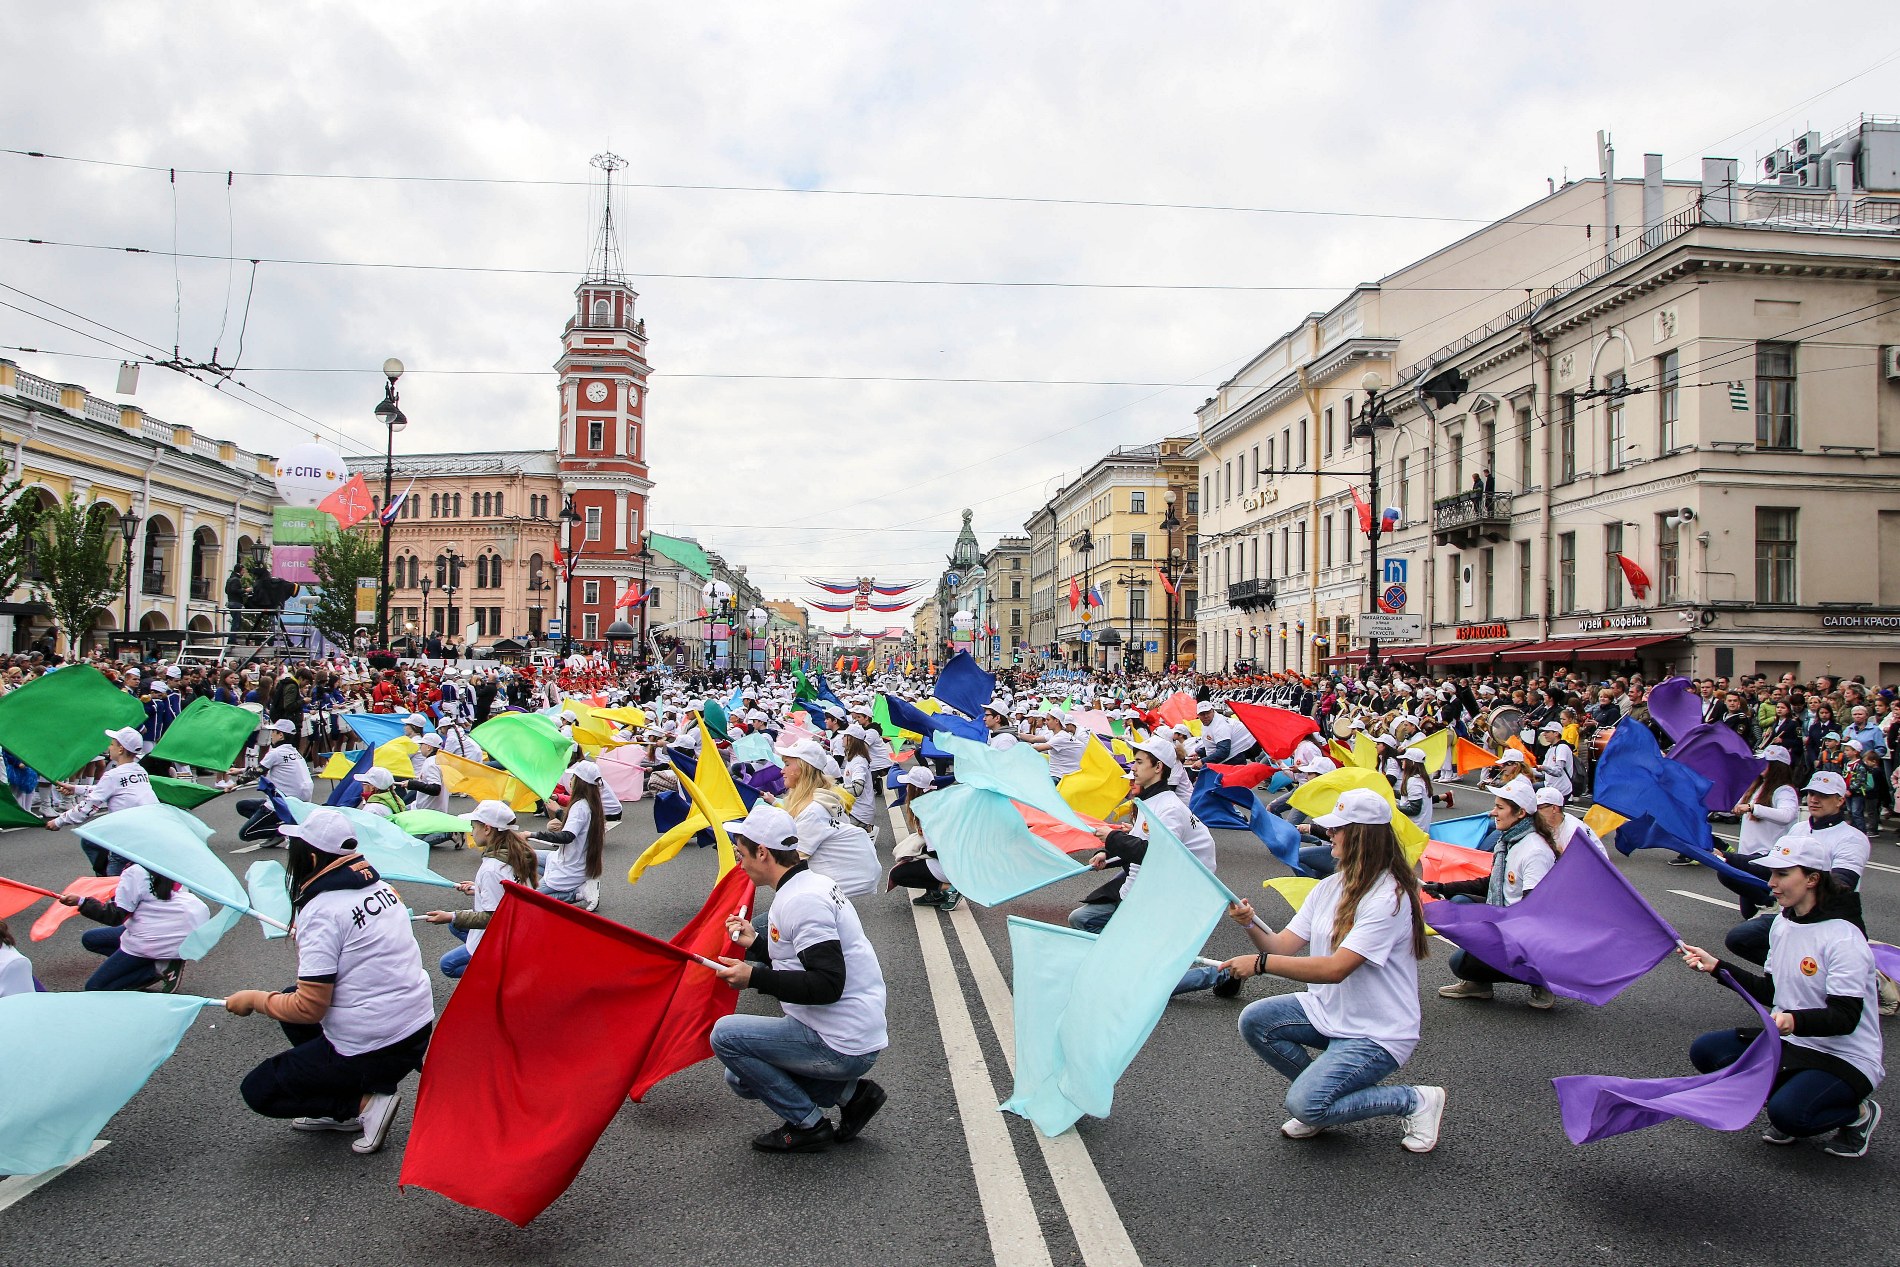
(1421, 120)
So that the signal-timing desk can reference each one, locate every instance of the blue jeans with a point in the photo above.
(455, 963)
(1749, 939)
(1318, 861)
(1804, 1102)
(785, 1065)
(1337, 1086)
(1092, 917)
(120, 971)
(102, 862)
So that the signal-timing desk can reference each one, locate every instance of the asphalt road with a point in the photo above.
(1189, 1168)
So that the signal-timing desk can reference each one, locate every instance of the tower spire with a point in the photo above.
(604, 264)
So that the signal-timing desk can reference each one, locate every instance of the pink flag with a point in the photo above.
(94, 886)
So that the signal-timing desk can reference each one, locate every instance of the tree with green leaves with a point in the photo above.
(17, 513)
(339, 559)
(73, 546)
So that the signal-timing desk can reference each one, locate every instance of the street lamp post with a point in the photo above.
(1371, 422)
(389, 413)
(756, 618)
(1084, 544)
(451, 566)
(427, 584)
(569, 517)
(1170, 524)
(645, 601)
(128, 529)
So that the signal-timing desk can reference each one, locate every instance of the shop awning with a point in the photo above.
(1623, 648)
(1555, 649)
(1472, 652)
(1410, 654)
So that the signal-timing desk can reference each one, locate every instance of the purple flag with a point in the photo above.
(1886, 958)
(1676, 708)
(1584, 932)
(1721, 756)
(1596, 1106)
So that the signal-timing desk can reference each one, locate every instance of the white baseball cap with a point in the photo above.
(1161, 750)
(1797, 851)
(1509, 755)
(325, 831)
(496, 814)
(1357, 805)
(1776, 752)
(1413, 754)
(430, 740)
(807, 750)
(377, 777)
(284, 726)
(765, 825)
(1550, 796)
(919, 777)
(129, 739)
(1550, 726)
(1827, 783)
(585, 771)
(417, 720)
(1205, 706)
(1520, 793)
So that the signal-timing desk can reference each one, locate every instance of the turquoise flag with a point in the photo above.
(57, 722)
(1018, 772)
(212, 931)
(74, 1060)
(208, 735)
(394, 853)
(755, 747)
(165, 839)
(527, 745)
(1091, 1010)
(985, 847)
(269, 888)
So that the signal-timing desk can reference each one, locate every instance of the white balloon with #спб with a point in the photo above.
(308, 473)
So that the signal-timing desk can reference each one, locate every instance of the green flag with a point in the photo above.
(182, 792)
(208, 735)
(715, 715)
(58, 722)
(11, 815)
(802, 689)
(881, 714)
(430, 822)
(527, 745)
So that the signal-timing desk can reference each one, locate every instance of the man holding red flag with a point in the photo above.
(816, 960)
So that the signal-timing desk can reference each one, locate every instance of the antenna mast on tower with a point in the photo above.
(605, 264)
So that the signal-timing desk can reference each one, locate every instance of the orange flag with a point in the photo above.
(349, 503)
(1529, 758)
(1471, 757)
(101, 887)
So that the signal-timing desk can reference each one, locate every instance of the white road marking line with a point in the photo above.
(1098, 1228)
(1883, 866)
(1008, 1212)
(15, 1188)
(1703, 897)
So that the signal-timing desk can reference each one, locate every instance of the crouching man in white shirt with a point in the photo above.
(816, 960)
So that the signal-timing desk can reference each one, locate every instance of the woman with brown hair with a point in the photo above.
(1364, 932)
(580, 840)
(1525, 851)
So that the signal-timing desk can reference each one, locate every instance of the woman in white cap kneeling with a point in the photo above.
(1820, 987)
(360, 1014)
(288, 774)
(506, 855)
(1357, 1022)
(569, 873)
(834, 845)
(123, 785)
(916, 865)
(1525, 852)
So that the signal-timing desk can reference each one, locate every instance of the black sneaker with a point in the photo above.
(948, 901)
(785, 1138)
(861, 1109)
(1852, 1140)
(929, 897)
(1683, 860)
(166, 982)
(1226, 985)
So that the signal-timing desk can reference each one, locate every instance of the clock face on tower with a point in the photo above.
(597, 392)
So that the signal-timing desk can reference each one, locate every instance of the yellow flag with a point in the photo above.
(1603, 821)
(1341, 755)
(668, 846)
(1318, 796)
(622, 716)
(1099, 786)
(1194, 725)
(1294, 889)
(929, 704)
(394, 757)
(1121, 749)
(1436, 748)
(339, 767)
(715, 802)
(484, 783)
(1365, 753)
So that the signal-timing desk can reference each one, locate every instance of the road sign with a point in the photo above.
(1152, 645)
(1389, 626)
(1392, 577)
(1087, 635)
(1393, 599)
(554, 628)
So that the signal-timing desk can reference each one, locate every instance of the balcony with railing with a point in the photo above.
(1466, 518)
(1253, 595)
(155, 582)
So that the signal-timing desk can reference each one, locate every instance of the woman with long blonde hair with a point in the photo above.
(833, 845)
(1363, 931)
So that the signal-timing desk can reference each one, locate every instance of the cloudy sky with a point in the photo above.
(1300, 152)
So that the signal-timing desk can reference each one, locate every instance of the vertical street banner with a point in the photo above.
(295, 531)
(366, 600)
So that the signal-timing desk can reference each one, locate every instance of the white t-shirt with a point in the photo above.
(858, 782)
(1420, 789)
(156, 929)
(362, 939)
(1379, 999)
(1003, 739)
(427, 771)
(488, 892)
(288, 772)
(1847, 846)
(808, 910)
(1180, 820)
(1810, 962)
(566, 868)
(1065, 754)
(1559, 768)
(1573, 829)
(839, 850)
(1761, 829)
(1526, 863)
(120, 787)
(16, 973)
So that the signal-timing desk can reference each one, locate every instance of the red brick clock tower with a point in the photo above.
(603, 385)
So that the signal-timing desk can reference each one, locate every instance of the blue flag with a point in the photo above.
(212, 931)
(972, 731)
(349, 788)
(74, 1060)
(964, 686)
(1279, 836)
(1466, 833)
(396, 855)
(1635, 779)
(825, 694)
(985, 847)
(377, 729)
(755, 747)
(1217, 805)
(907, 716)
(1642, 833)
(269, 888)
(1083, 1010)
(167, 840)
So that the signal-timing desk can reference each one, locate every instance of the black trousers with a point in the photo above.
(914, 873)
(314, 1079)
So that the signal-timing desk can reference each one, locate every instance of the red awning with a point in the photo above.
(1623, 648)
(1556, 649)
(1472, 652)
(1349, 657)
(1410, 654)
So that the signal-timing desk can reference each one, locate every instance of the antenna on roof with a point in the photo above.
(605, 263)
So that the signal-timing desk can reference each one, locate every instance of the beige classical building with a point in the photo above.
(1710, 406)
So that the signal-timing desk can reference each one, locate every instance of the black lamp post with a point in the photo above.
(128, 529)
(1370, 422)
(428, 583)
(391, 416)
(1084, 544)
(569, 517)
(640, 656)
(451, 581)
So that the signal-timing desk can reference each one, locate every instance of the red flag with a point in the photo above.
(16, 897)
(1638, 579)
(1166, 583)
(349, 503)
(1177, 708)
(100, 887)
(1365, 511)
(1279, 730)
(1249, 774)
(491, 1130)
(560, 560)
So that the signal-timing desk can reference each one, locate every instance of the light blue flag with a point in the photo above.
(377, 729)
(212, 931)
(269, 888)
(1467, 833)
(985, 847)
(756, 747)
(72, 1061)
(1018, 772)
(167, 840)
(1083, 1040)
(394, 853)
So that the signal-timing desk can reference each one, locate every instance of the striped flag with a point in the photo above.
(388, 514)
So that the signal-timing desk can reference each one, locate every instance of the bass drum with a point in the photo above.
(1342, 727)
(1506, 721)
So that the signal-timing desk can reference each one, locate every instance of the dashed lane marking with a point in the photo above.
(15, 1188)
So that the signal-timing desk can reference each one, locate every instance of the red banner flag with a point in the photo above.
(16, 897)
(1177, 708)
(100, 887)
(1075, 594)
(1471, 757)
(1364, 509)
(1279, 730)
(519, 1084)
(1638, 579)
(349, 503)
(1167, 583)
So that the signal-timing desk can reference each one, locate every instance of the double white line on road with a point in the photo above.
(1009, 1211)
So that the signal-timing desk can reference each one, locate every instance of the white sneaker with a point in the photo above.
(326, 1124)
(590, 895)
(1293, 1128)
(378, 1116)
(1421, 1127)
